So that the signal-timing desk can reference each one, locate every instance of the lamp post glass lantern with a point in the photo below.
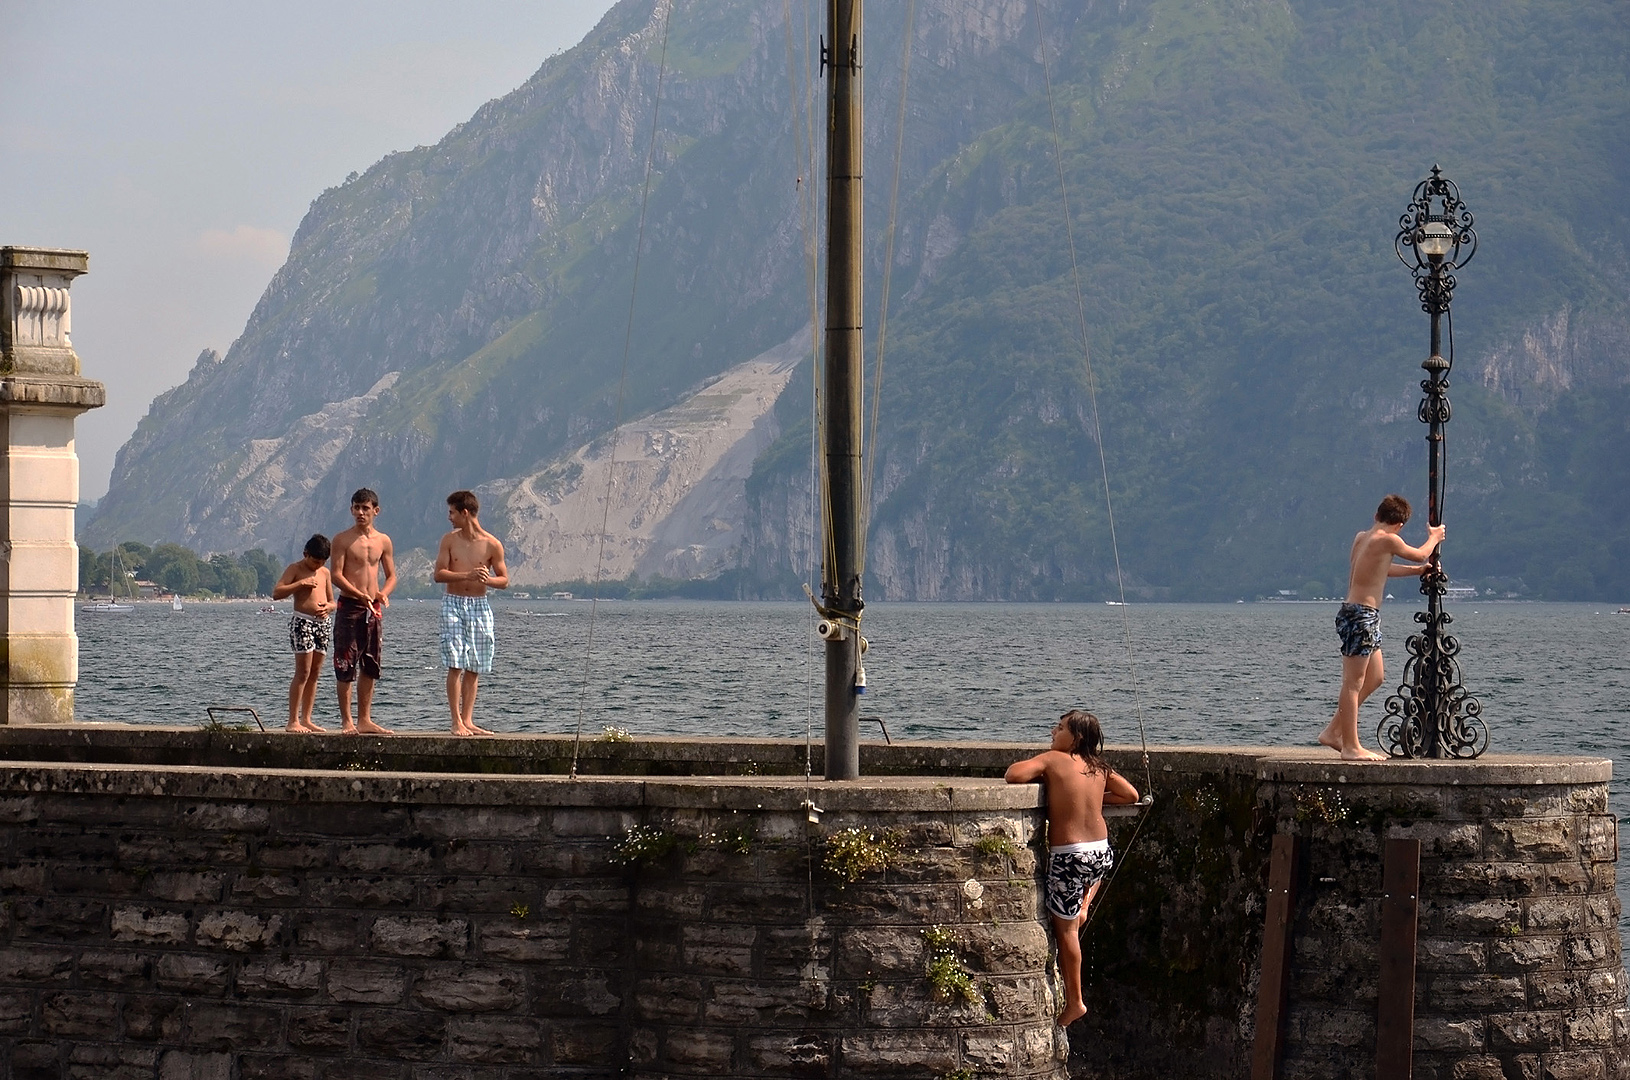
(1432, 715)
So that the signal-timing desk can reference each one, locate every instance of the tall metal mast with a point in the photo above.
(840, 572)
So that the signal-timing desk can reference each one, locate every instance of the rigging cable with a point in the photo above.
(622, 385)
(803, 137)
(1103, 461)
(809, 211)
(888, 270)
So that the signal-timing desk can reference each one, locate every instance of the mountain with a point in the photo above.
(458, 315)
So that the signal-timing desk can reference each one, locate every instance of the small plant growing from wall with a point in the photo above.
(853, 853)
(947, 976)
(642, 844)
(615, 734)
(736, 839)
(215, 727)
(1319, 804)
(997, 844)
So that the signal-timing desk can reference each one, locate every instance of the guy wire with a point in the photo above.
(622, 385)
(807, 204)
(888, 270)
(1092, 393)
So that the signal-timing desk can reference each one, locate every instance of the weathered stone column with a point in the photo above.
(41, 394)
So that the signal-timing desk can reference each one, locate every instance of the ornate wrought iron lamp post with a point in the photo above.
(1432, 715)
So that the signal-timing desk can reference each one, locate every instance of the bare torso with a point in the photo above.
(310, 588)
(318, 600)
(462, 553)
(1371, 558)
(358, 556)
(1075, 800)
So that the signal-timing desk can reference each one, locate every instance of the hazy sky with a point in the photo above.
(180, 144)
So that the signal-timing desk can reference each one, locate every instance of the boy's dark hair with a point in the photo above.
(317, 547)
(465, 502)
(1086, 739)
(1394, 510)
(364, 497)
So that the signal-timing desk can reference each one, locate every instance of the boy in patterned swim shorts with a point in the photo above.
(1358, 622)
(309, 634)
(1079, 782)
(469, 562)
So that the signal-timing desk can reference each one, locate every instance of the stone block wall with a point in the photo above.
(1520, 972)
(1519, 965)
(222, 921)
(200, 924)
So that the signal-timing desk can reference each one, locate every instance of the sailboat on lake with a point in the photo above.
(116, 574)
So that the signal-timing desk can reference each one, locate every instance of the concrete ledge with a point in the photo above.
(52, 380)
(1491, 769)
(543, 755)
(70, 261)
(894, 794)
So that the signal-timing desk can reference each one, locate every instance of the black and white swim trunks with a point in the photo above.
(1072, 869)
(309, 634)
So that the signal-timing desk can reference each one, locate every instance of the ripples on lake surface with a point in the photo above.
(1553, 678)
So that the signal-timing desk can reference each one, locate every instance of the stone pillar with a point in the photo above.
(41, 394)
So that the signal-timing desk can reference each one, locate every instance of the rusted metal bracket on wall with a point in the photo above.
(1400, 912)
(1273, 989)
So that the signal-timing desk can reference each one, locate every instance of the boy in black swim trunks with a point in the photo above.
(1079, 782)
(361, 555)
(310, 635)
(1358, 623)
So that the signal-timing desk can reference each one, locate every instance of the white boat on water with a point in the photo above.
(116, 574)
(175, 603)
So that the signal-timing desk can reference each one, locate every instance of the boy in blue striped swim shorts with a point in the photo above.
(470, 561)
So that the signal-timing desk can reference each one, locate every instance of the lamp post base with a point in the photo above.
(1432, 715)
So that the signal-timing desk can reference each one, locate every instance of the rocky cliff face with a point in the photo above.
(1223, 312)
(664, 495)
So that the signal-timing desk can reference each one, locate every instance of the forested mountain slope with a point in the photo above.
(455, 316)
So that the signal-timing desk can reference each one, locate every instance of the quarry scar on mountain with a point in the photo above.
(677, 483)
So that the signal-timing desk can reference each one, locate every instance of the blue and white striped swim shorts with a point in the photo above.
(467, 641)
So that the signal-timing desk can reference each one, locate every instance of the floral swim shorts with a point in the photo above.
(308, 634)
(1359, 627)
(1072, 869)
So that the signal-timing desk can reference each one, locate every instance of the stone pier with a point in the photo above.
(41, 395)
(186, 903)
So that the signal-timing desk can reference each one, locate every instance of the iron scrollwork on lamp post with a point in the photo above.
(1432, 715)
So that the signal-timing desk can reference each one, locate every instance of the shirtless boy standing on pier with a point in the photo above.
(360, 553)
(1079, 782)
(470, 561)
(1358, 623)
(309, 632)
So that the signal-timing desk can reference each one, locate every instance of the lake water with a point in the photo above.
(1553, 678)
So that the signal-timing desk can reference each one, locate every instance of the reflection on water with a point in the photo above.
(1553, 678)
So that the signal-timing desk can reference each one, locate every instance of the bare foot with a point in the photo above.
(1327, 739)
(293, 728)
(476, 730)
(313, 729)
(1071, 1014)
(463, 732)
(368, 727)
(348, 728)
(1360, 753)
